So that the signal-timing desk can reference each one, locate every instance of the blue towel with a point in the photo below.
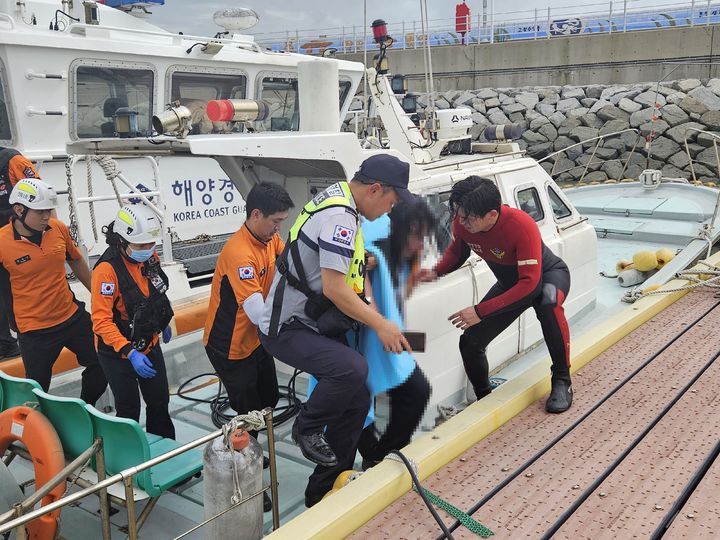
(386, 370)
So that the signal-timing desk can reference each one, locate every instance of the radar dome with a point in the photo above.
(234, 19)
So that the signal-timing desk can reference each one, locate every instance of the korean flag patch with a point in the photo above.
(343, 235)
(246, 272)
(107, 289)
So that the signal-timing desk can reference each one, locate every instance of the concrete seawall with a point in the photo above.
(618, 58)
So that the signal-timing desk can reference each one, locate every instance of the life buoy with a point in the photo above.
(38, 435)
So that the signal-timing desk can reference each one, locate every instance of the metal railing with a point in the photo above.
(494, 27)
(19, 516)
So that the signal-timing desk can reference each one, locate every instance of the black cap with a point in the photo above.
(389, 171)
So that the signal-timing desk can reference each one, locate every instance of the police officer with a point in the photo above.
(315, 297)
(43, 309)
(130, 310)
(13, 168)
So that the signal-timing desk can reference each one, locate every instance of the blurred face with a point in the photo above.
(414, 244)
(264, 227)
(141, 247)
(378, 202)
(476, 224)
(36, 220)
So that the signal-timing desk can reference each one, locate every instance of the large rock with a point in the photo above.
(595, 176)
(594, 91)
(564, 165)
(599, 104)
(693, 105)
(497, 117)
(714, 86)
(442, 103)
(685, 85)
(563, 142)
(612, 90)
(702, 171)
(658, 127)
(665, 90)
(557, 119)
(603, 152)
(674, 115)
(585, 161)
(534, 138)
(479, 118)
(707, 157)
(611, 112)
(629, 106)
(505, 99)
(631, 139)
(513, 108)
(617, 97)
(568, 125)
(516, 117)
(528, 99)
(679, 160)
(578, 113)
(615, 142)
(487, 93)
(613, 168)
(537, 123)
(582, 133)
(662, 148)
(572, 92)
(706, 97)
(479, 105)
(545, 109)
(476, 130)
(695, 149)
(676, 97)
(551, 98)
(591, 120)
(711, 119)
(678, 133)
(548, 131)
(641, 117)
(540, 150)
(565, 105)
(451, 95)
(492, 103)
(465, 98)
(614, 125)
(670, 171)
(649, 98)
(588, 102)
(706, 139)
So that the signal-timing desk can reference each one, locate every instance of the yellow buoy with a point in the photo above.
(651, 288)
(623, 264)
(342, 479)
(664, 256)
(645, 261)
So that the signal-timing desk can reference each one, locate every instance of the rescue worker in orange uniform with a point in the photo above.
(13, 168)
(130, 310)
(243, 275)
(43, 309)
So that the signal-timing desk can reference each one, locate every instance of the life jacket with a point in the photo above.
(354, 277)
(147, 315)
(6, 154)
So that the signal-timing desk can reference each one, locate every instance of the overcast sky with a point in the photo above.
(195, 17)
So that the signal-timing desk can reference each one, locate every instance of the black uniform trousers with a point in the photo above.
(407, 405)
(549, 311)
(124, 383)
(251, 383)
(41, 348)
(6, 339)
(340, 401)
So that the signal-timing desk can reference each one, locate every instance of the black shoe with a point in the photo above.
(311, 500)
(267, 502)
(266, 462)
(314, 447)
(560, 396)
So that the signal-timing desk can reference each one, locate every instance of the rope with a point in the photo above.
(255, 421)
(88, 169)
(689, 275)
(467, 521)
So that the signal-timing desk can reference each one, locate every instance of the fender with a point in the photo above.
(35, 431)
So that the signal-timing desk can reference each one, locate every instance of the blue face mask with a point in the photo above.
(141, 255)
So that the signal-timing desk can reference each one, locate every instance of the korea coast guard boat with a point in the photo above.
(87, 100)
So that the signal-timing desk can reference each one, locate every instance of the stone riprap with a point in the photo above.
(557, 117)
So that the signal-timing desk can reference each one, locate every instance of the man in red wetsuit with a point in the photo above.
(528, 274)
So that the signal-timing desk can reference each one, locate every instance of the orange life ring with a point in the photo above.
(38, 435)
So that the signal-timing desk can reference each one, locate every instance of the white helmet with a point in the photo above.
(137, 224)
(34, 194)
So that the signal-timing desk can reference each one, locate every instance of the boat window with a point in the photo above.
(529, 202)
(281, 95)
(439, 203)
(101, 90)
(344, 91)
(5, 131)
(194, 90)
(559, 208)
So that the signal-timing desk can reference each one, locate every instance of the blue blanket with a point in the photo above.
(386, 370)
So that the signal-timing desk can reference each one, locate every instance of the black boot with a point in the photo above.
(267, 502)
(314, 447)
(560, 396)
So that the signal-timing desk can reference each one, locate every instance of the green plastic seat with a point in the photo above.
(126, 445)
(17, 391)
(71, 420)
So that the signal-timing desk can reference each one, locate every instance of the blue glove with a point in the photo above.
(141, 364)
(167, 334)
